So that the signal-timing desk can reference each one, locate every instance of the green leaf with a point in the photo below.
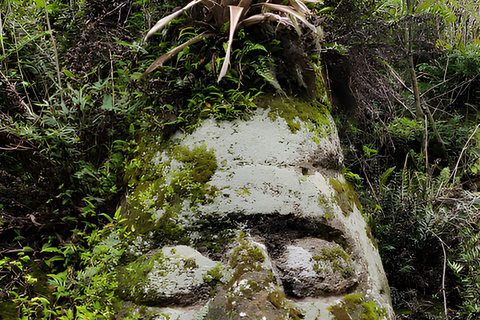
(167, 56)
(166, 20)
(384, 177)
(108, 103)
(69, 74)
(136, 75)
(51, 249)
(106, 216)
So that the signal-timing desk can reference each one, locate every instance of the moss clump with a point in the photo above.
(254, 285)
(334, 254)
(345, 196)
(278, 299)
(214, 276)
(176, 177)
(247, 254)
(313, 114)
(335, 260)
(8, 311)
(354, 306)
(201, 161)
(353, 299)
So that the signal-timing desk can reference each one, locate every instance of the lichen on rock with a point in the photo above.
(313, 267)
(170, 276)
(355, 306)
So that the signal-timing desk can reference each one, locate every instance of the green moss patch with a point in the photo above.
(248, 255)
(8, 311)
(334, 260)
(170, 179)
(345, 196)
(355, 306)
(311, 113)
(278, 299)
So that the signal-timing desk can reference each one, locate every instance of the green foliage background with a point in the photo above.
(72, 112)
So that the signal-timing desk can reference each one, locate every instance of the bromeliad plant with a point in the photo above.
(234, 14)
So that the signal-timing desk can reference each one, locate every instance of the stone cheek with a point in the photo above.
(313, 267)
(174, 275)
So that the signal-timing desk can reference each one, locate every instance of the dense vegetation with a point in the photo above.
(73, 106)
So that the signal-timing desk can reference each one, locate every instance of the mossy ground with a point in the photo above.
(8, 311)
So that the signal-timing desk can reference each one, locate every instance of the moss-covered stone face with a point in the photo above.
(275, 176)
(175, 178)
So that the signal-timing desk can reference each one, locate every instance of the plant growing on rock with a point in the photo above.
(220, 15)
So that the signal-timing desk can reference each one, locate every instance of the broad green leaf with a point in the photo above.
(107, 102)
(384, 177)
(69, 74)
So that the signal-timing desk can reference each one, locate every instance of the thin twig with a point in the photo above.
(403, 174)
(443, 278)
(113, 80)
(446, 68)
(454, 173)
(57, 65)
(1, 39)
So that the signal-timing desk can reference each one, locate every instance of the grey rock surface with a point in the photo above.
(274, 208)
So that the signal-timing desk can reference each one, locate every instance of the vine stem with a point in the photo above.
(57, 65)
(443, 279)
(443, 274)
(454, 174)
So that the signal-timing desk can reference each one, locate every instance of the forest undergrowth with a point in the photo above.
(403, 82)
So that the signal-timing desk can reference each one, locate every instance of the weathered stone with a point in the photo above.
(276, 177)
(313, 267)
(171, 276)
(132, 311)
(252, 292)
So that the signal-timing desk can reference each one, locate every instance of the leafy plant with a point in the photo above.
(242, 14)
